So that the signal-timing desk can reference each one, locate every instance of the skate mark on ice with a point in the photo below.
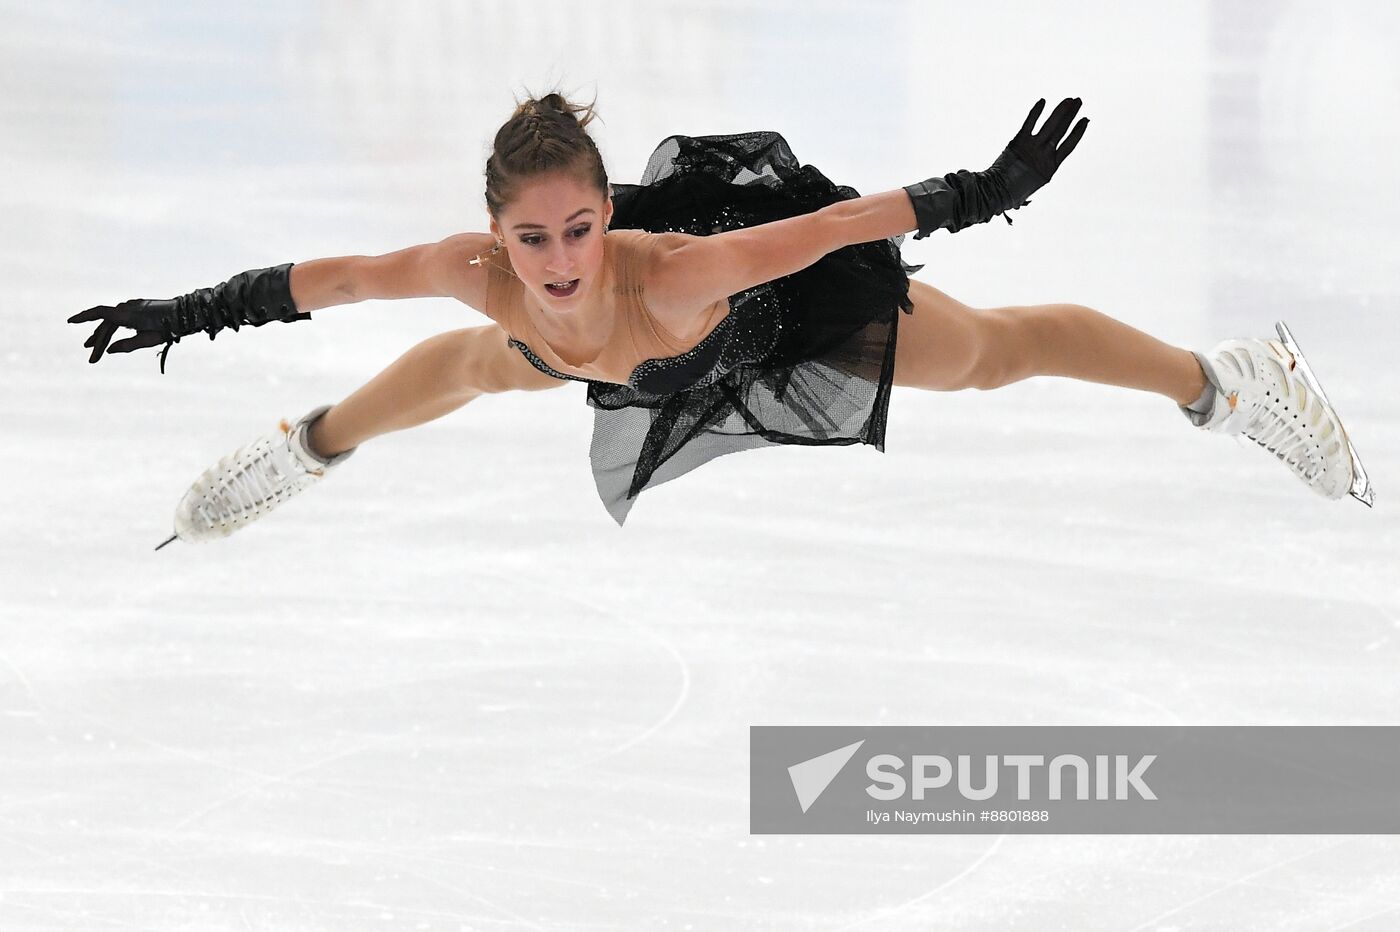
(1350, 923)
(1237, 882)
(474, 897)
(46, 857)
(329, 908)
(23, 682)
(1146, 700)
(275, 779)
(267, 779)
(494, 870)
(682, 693)
(137, 738)
(887, 912)
(68, 914)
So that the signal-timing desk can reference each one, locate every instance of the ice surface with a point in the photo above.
(447, 692)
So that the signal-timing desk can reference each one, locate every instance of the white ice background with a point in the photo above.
(444, 691)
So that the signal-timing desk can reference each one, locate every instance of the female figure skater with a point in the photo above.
(734, 299)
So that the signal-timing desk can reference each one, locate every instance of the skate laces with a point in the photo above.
(1283, 417)
(258, 476)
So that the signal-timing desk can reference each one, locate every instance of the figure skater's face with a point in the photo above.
(553, 231)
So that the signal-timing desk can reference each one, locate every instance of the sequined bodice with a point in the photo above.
(661, 375)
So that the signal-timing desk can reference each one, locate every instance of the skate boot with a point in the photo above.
(252, 481)
(1265, 390)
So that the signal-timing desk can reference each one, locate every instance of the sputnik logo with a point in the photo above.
(810, 778)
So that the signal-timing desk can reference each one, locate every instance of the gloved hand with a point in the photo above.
(254, 297)
(1027, 164)
(137, 314)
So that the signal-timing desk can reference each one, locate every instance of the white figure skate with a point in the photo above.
(252, 481)
(1266, 391)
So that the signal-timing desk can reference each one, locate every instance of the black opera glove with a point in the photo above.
(255, 297)
(1027, 164)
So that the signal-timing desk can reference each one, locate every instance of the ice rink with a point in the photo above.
(445, 691)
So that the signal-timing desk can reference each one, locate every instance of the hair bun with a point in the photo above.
(553, 105)
(538, 138)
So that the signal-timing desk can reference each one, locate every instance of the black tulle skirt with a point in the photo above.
(810, 359)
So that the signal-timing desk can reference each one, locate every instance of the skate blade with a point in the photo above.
(1360, 483)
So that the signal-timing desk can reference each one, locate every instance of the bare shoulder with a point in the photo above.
(671, 295)
(452, 272)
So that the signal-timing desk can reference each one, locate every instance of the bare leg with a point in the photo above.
(946, 345)
(424, 383)
(434, 378)
(1081, 343)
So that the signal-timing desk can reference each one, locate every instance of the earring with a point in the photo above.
(477, 259)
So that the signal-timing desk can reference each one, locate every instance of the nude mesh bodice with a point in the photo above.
(656, 361)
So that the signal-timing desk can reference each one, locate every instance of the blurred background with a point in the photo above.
(446, 691)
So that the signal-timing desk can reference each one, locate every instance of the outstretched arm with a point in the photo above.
(323, 282)
(432, 270)
(874, 217)
(288, 292)
(696, 271)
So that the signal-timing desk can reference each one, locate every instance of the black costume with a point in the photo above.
(807, 358)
